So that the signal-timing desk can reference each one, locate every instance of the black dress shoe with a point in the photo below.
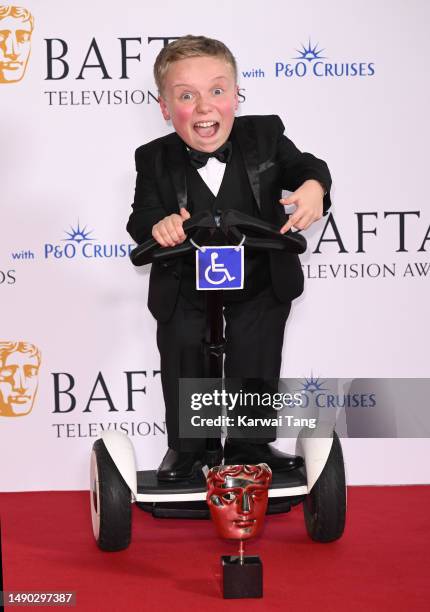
(179, 465)
(237, 452)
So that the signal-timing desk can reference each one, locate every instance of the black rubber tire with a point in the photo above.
(114, 503)
(325, 506)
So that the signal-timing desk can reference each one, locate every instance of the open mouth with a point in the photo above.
(206, 129)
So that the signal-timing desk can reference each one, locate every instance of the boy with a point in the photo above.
(177, 176)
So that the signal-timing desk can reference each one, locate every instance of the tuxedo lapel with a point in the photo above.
(247, 139)
(176, 166)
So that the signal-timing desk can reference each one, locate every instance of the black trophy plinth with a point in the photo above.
(242, 577)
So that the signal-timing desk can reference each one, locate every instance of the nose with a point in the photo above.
(19, 380)
(11, 46)
(246, 503)
(203, 105)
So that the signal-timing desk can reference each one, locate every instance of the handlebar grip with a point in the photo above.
(293, 242)
(146, 253)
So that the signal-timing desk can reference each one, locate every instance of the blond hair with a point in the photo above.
(190, 46)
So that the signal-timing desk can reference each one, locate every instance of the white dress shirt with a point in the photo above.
(212, 174)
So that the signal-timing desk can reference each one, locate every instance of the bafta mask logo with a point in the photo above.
(19, 369)
(237, 498)
(16, 28)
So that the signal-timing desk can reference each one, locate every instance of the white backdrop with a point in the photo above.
(66, 163)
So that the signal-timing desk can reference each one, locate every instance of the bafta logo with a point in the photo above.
(16, 28)
(19, 369)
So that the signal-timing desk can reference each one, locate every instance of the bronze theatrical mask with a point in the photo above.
(237, 498)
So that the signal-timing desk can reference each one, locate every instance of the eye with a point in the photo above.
(30, 371)
(218, 91)
(23, 36)
(229, 497)
(186, 96)
(257, 494)
(6, 373)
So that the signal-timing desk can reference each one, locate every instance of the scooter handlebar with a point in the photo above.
(235, 225)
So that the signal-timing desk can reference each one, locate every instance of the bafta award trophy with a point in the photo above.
(237, 498)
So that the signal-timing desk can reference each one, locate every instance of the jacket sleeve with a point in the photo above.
(147, 206)
(298, 167)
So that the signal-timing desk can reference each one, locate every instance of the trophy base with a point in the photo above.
(242, 579)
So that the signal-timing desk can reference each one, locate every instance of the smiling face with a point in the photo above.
(200, 97)
(15, 42)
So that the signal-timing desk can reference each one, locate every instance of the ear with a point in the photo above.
(163, 108)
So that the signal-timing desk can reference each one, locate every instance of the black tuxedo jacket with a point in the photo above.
(272, 163)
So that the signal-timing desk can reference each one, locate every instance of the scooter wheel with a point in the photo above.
(110, 501)
(325, 506)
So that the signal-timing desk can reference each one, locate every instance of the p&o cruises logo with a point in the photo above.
(326, 394)
(310, 61)
(80, 242)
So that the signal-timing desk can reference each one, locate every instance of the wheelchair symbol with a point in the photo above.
(216, 269)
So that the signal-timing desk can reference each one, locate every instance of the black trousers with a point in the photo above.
(254, 333)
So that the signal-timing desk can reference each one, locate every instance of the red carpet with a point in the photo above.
(381, 563)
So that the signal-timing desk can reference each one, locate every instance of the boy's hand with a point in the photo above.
(308, 199)
(168, 232)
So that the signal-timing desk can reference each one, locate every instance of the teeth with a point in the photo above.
(205, 124)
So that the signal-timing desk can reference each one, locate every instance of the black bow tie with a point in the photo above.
(198, 159)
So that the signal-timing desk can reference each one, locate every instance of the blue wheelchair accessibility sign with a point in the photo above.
(219, 267)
